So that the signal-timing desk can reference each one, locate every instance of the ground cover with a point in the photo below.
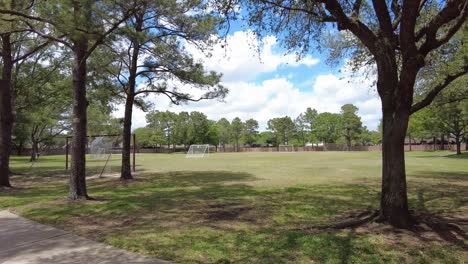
(253, 207)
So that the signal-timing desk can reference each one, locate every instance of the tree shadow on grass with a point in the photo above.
(443, 155)
(217, 215)
(463, 155)
(440, 175)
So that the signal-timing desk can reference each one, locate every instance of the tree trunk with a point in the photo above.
(434, 143)
(442, 142)
(80, 104)
(410, 143)
(34, 150)
(126, 173)
(394, 201)
(396, 93)
(458, 143)
(348, 139)
(20, 148)
(6, 112)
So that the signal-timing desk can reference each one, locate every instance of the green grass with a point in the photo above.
(251, 207)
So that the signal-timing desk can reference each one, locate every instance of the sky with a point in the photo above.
(270, 83)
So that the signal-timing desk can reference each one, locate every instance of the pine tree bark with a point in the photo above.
(126, 173)
(80, 104)
(6, 111)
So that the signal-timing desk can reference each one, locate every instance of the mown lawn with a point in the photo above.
(253, 207)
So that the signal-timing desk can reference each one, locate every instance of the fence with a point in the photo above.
(325, 147)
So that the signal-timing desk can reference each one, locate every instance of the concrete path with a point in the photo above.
(23, 241)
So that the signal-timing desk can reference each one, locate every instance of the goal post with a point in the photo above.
(198, 151)
(103, 151)
(286, 148)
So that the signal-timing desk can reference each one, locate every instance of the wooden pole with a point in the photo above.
(134, 150)
(66, 154)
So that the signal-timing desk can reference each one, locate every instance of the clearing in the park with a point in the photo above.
(253, 207)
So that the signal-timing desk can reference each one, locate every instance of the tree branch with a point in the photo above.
(407, 27)
(101, 39)
(359, 29)
(437, 89)
(31, 52)
(455, 10)
(26, 16)
(383, 17)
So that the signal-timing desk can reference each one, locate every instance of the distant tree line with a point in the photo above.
(183, 129)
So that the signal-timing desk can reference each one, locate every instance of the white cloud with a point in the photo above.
(239, 59)
(275, 97)
(279, 97)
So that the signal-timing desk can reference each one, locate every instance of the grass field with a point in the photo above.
(253, 207)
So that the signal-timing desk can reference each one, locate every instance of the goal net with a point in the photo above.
(198, 151)
(104, 155)
(286, 148)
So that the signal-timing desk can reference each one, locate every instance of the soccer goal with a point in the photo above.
(198, 151)
(286, 148)
(104, 155)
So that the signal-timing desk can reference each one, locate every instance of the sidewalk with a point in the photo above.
(23, 241)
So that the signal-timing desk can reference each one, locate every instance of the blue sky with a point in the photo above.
(272, 84)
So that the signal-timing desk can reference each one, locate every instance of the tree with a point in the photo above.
(302, 127)
(327, 127)
(153, 50)
(144, 137)
(236, 131)
(198, 129)
(250, 131)
(80, 26)
(351, 124)
(213, 135)
(181, 128)
(451, 111)
(41, 100)
(163, 122)
(283, 128)
(268, 138)
(224, 132)
(14, 49)
(397, 37)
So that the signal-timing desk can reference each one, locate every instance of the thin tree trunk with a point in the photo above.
(348, 139)
(458, 143)
(434, 143)
(80, 104)
(410, 143)
(6, 111)
(126, 173)
(20, 148)
(34, 150)
(442, 142)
